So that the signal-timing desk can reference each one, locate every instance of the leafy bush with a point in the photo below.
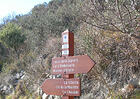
(11, 36)
(9, 68)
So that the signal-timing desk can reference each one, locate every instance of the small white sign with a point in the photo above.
(65, 52)
(65, 46)
(65, 38)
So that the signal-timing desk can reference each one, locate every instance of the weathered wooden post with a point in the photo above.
(67, 50)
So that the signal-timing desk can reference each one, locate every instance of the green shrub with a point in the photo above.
(9, 68)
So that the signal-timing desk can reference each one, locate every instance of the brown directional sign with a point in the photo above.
(59, 86)
(71, 64)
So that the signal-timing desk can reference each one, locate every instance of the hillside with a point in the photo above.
(106, 30)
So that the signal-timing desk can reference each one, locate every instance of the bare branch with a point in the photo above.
(128, 13)
(101, 27)
(117, 28)
(117, 4)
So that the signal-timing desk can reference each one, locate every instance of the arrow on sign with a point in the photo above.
(69, 87)
(72, 64)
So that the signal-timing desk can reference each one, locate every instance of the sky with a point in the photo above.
(9, 7)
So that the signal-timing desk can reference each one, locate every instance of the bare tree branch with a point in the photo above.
(117, 3)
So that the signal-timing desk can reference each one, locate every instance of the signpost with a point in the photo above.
(67, 50)
(68, 87)
(67, 65)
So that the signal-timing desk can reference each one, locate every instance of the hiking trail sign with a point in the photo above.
(59, 86)
(72, 64)
(67, 66)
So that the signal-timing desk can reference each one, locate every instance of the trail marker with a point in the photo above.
(72, 64)
(67, 65)
(67, 43)
(68, 87)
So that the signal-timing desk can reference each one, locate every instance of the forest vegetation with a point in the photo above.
(106, 30)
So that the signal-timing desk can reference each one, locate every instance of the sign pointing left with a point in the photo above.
(68, 87)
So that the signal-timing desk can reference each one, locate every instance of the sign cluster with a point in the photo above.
(67, 65)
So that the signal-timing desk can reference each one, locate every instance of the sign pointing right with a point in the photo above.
(72, 64)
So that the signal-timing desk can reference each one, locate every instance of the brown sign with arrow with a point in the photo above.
(67, 65)
(59, 86)
(72, 64)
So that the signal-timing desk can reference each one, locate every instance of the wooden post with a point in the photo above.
(67, 97)
(67, 50)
